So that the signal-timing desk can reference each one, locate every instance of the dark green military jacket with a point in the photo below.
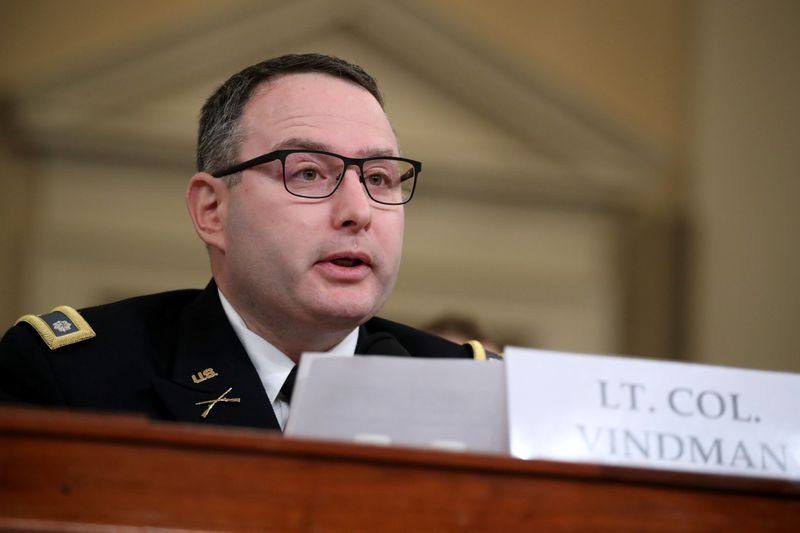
(160, 355)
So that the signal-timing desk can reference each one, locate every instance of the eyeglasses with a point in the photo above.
(317, 174)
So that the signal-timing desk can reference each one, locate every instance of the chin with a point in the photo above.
(354, 316)
(344, 305)
(351, 313)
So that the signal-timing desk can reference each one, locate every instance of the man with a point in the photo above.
(299, 200)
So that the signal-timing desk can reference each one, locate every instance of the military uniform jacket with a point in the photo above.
(147, 349)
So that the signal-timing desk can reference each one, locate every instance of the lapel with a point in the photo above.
(206, 341)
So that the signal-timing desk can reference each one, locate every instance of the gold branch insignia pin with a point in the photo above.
(221, 398)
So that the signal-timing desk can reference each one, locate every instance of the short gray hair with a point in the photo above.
(219, 136)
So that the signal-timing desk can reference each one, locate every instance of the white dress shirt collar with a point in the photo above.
(271, 364)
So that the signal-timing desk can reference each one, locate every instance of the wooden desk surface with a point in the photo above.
(66, 471)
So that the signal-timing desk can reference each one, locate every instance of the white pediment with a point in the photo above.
(478, 125)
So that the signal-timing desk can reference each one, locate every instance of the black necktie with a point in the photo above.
(288, 385)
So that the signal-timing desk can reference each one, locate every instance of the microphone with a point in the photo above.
(382, 343)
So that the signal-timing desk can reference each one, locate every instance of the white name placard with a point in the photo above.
(653, 414)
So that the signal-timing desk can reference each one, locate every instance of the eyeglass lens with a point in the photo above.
(316, 175)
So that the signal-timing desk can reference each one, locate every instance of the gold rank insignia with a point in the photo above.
(60, 327)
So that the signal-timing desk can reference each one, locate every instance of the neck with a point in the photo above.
(294, 344)
(292, 339)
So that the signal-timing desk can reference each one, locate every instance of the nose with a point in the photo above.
(351, 205)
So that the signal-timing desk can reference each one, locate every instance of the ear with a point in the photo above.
(207, 202)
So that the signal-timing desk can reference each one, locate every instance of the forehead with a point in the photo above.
(319, 108)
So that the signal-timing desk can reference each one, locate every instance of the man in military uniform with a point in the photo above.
(299, 200)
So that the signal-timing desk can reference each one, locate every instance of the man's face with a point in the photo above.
(310, 263)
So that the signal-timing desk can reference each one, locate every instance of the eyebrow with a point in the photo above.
(298, 143)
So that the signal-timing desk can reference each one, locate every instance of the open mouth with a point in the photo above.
(347, 262)
(346, 266)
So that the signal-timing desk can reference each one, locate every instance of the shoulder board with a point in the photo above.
(479, 353)
(60, 327)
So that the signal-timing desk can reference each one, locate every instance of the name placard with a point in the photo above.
(653, 414)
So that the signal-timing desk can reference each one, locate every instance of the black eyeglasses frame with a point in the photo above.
(281, 155)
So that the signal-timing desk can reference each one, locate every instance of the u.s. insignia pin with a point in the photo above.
(200, 377)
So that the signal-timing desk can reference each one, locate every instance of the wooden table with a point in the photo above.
(66, 471)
